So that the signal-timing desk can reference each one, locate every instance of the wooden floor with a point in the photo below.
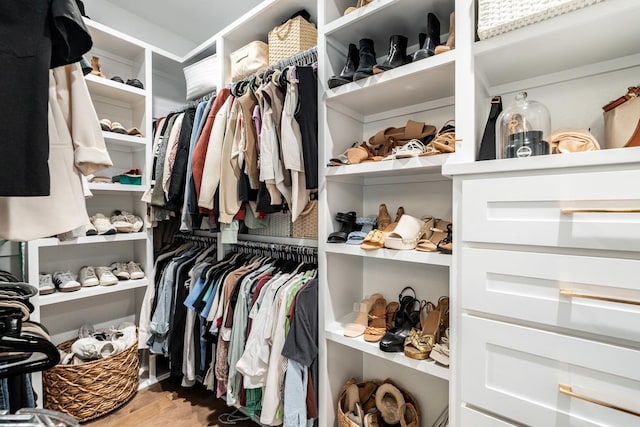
(169, 405)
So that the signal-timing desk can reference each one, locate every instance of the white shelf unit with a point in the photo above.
(424, 91)
(564, 64)
(105, 306)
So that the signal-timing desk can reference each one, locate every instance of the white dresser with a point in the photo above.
(548, 290)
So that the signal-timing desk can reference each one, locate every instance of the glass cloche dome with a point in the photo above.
(522, 129)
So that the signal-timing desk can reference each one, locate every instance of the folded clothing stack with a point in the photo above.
(94, 345)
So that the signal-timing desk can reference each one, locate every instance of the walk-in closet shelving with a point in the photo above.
(513, 216)
(423, 91)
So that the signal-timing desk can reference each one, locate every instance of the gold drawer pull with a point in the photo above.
(565, 389)
(574, 294)
(599, 210)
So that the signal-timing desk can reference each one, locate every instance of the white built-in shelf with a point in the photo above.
(398, 88)
(563, 43)
(118, 237)
(123, 142)
(106, 88)
(427, 167)
(93, 291)
(381, 19)
(334, 333)
(117, 43)
(554, 161)
(416, 257)
(116, 187)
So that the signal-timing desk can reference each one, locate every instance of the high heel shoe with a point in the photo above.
(420, 342)
(446, 245)
(451, 39)
(359, 4)
(432, 40)
(397, 55)
(350, 66)
(96, 68)
(367, 61)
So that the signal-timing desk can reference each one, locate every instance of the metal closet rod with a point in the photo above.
(207, 240)
(247, 245)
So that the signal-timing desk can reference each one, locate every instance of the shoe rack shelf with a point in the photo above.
(426, 166)
(115, 187)
(568, 42)
(126, 143)
(105, 88)
(429, 367)
(398, 88)
(118, 237)
(416, 257)
(94, 291)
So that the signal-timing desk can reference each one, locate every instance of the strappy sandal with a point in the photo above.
(445, 140)
(384, 219)
(420, 342)
(357, 237)
(361, 321)
(431, 243)
(347, 220)
(374, 240)
(446, 245)
(407, 316)
(377, 321)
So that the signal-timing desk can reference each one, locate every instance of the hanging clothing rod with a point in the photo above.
(205, 240)
(304, 58)
(247, 246)
(194, 103)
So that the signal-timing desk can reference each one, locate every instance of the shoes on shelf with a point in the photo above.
(408, 231)
(120, 270)
(135, 272)
(45, 284)
(384, 219)
(96, 68)
(397, 55)
(117, 79)
(348, 221)
(406, 318)
(125, 222)
(431, 40)
(409, 416)
(445, 139)
(105, 276)
(135, 83)
(446, 245)
(102, 224)
(350, 66)
(420, 341)
(377, 321)
(87, 276)
(65, 281)
(359, 4)
(359, 324)
(366, 223)
(440, 352)
(451, 39)
(392, 310)
(439, 233)
(367, 59)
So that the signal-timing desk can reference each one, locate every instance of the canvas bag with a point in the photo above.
(249, 59)
(622, 120)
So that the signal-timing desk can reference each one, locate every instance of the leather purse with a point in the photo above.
(569, 140)
(249, 59)
(622, 120)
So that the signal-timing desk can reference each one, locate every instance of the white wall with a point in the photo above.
(107, 13)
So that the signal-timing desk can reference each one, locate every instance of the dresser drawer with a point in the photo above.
(471, 417)
(518, 372)
(544, 210)
(591, 294)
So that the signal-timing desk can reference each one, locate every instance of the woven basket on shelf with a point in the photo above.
(93, 389)
(343, 419)
(295, 35)
(500, 16)
(279, 226)
(306, 225)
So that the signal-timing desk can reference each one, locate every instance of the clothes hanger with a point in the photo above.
(42, 355)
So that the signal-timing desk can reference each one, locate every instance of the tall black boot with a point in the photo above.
(367, 60)
(397, 54)
(346, 75)
(433, 38)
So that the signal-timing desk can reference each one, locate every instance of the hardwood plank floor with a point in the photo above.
(167, 404)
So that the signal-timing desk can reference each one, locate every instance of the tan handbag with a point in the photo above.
(249, 59)
(622, 120)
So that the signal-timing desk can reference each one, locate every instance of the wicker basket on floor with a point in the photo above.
(343, 419)
(93, 389)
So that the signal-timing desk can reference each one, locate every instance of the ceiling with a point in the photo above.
(195, 20)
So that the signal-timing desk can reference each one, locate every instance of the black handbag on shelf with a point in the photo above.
(488, 144)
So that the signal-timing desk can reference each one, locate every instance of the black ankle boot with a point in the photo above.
(367, 60)
(346, 75)
(397, 54)
(432, 39)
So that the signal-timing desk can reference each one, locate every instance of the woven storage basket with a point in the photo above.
(306, 225)
(279, 226)
(500, 16)
(295, 35)
(344, 421)
(93, 389)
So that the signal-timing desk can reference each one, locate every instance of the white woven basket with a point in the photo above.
(201, 77)
(500, 16)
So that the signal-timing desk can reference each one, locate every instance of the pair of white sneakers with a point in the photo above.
(106, 276)
(89, 347)
(120, 222)
(63, 281)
